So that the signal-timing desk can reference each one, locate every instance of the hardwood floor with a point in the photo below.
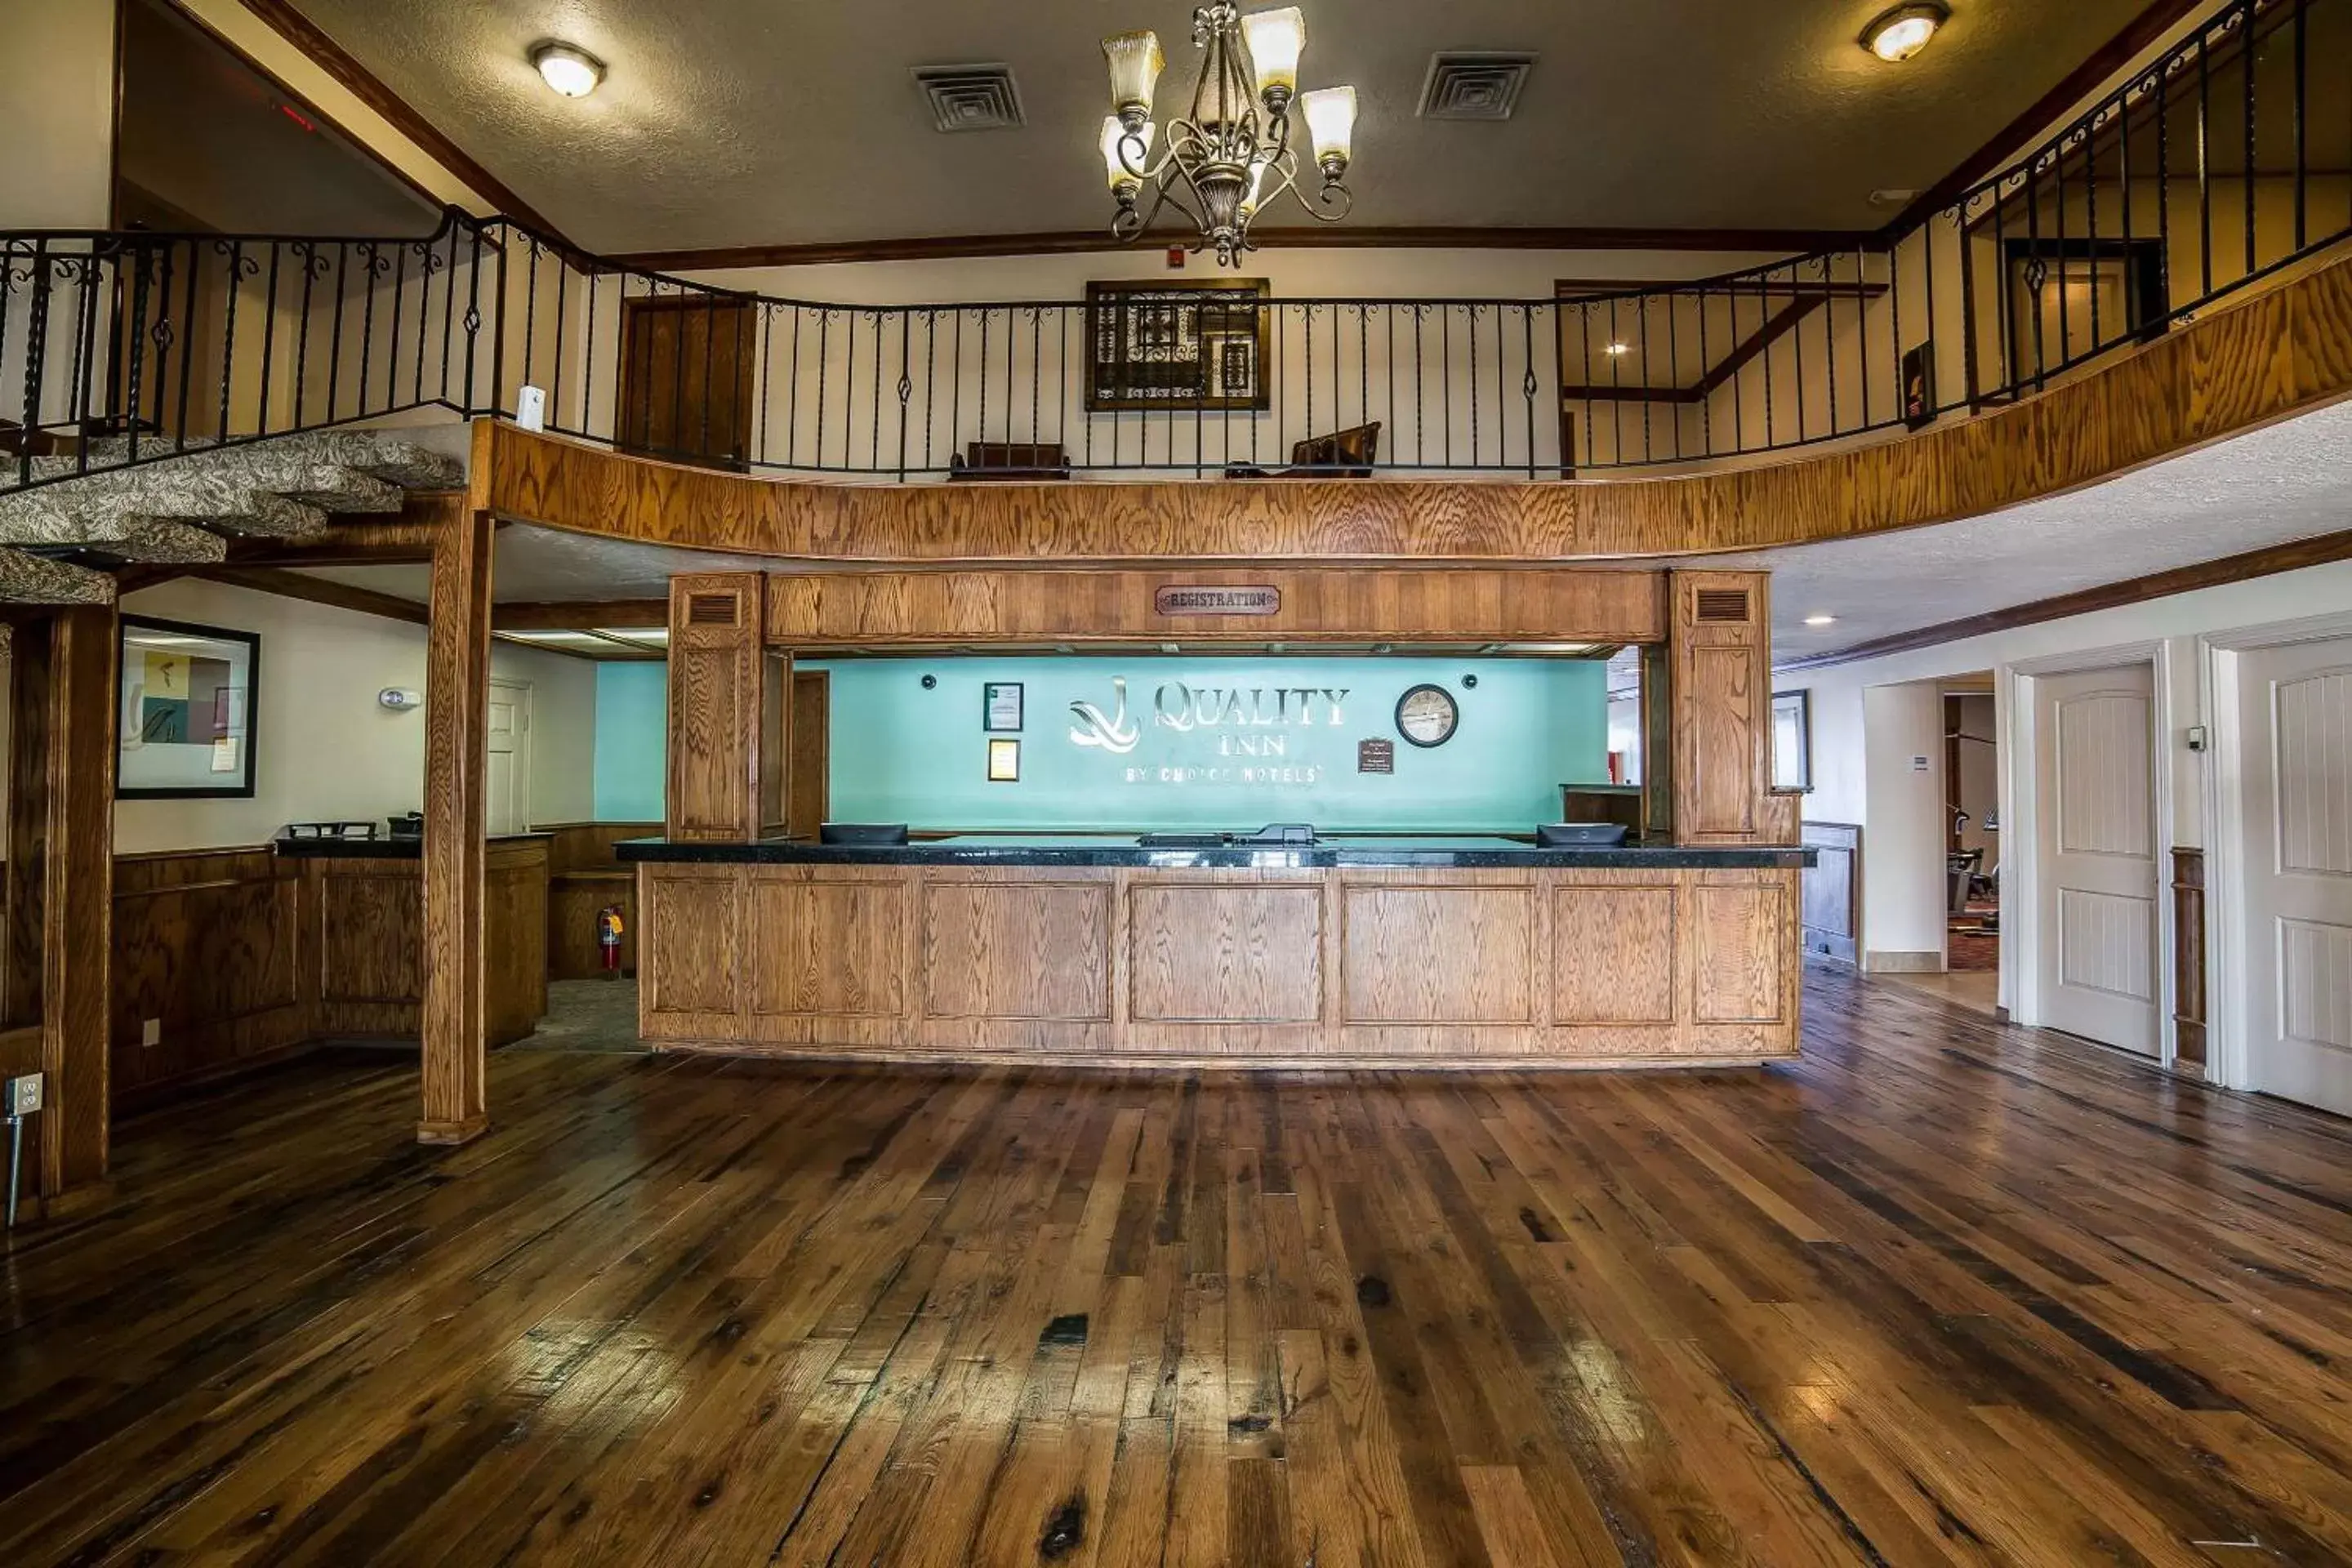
(1941, 1292)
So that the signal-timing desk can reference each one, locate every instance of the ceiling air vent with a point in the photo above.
(1474, 84)
(971, 98)
(716, 609)
(1723, 603)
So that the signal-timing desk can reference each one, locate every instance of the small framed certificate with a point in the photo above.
(1001, 702)
(1005, 762)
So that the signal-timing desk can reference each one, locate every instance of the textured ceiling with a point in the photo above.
(2290, 481)
(755, 121)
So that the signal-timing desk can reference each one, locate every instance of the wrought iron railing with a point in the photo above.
(2225, 162)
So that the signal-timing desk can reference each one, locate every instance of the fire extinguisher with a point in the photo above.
(608, 939)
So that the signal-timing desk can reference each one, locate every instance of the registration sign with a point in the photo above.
(1175, 600)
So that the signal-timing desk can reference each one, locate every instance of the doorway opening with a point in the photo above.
(1972, 832)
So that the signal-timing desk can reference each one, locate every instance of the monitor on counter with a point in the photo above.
(871, 833)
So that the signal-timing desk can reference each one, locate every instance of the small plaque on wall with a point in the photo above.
(1376, 756)
(1001, 701)
(1217, 601)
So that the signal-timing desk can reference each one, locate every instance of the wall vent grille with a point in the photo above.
(710, 609)
(1474, 84)
(971, 98)
(1723, 603)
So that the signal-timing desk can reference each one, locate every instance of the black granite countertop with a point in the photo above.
(1095, 850)
(377, 848)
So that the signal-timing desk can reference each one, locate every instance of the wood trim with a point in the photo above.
(2266, 562)
(1071, 242)
(2262, 359)
(578, 615)
(289, 23)
(2042, 117)
(290, 584)
(2189, 1000)
(456, 858)
(1083, 607)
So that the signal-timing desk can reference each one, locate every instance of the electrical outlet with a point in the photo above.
(25, 1094)
(151, 1032)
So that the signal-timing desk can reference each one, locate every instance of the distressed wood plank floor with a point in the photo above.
(1941, 1293)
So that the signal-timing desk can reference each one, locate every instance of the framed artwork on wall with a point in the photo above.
(1005, 762)
(1184, 346)
(184, 707)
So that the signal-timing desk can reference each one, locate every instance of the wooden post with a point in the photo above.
(60, 846)
(1719, 650)
(730, 708)
(456, 724)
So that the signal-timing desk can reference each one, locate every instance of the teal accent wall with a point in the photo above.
(631, 742)
(900, 753)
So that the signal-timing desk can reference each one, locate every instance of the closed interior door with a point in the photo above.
(2096, 802)
(507, 761)
(686, 379)
(2296, 762)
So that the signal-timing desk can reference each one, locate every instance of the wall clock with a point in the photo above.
(1426, 715)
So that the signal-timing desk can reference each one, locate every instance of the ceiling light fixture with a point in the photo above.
(1618, 350)
(1820, 620)
(1899, 34)
(1229, 155)
(574, 72)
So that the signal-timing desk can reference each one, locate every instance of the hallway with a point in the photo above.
(1942, 1291)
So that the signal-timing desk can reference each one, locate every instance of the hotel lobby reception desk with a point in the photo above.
(1409, 953)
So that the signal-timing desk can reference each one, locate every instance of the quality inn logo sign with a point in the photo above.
(1241, 715)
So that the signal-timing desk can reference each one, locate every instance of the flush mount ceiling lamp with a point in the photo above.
(1899, 34)
(573, 72)
(1230, 155)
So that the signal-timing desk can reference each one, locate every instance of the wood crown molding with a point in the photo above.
(2266, 562)
(1070, 242)
(281, 17)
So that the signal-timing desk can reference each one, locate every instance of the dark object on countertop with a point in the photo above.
(410, 826)
(330, 830)
(1579, 835)
(879, 833)
(1288, 834)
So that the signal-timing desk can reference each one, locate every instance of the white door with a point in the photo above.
(2095, 797)
(2296, 765)
(507, 761)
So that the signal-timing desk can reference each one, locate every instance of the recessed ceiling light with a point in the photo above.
(1617, 351)
(574, 72)
(1820, 620)
(1902, 32)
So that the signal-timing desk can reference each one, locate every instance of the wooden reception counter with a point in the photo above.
(1390, 953)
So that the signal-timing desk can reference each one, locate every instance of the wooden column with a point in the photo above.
(1719, 654)
(456, 724)
(730, 711)
(60, 846)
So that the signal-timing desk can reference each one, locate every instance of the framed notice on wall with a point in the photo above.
(184, 707)
(1000, 705)
(1190, 346)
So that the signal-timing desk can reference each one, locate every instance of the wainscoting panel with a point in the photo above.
(1830, 890)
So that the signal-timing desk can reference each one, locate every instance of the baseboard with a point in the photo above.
(1879, 960)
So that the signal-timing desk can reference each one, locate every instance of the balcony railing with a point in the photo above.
(2227, 160)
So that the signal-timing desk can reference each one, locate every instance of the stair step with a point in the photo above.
(34, 580)
(82, 514)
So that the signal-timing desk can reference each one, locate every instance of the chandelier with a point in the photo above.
(1230, 155)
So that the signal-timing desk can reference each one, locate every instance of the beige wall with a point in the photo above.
(325, 749)
(57, 113)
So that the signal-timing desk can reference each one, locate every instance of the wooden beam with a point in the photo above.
(289, 23)
(289, 585)
(2266, 562)
(457, 725)
(579, 615)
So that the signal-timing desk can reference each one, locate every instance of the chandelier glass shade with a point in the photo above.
(1231, 152)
